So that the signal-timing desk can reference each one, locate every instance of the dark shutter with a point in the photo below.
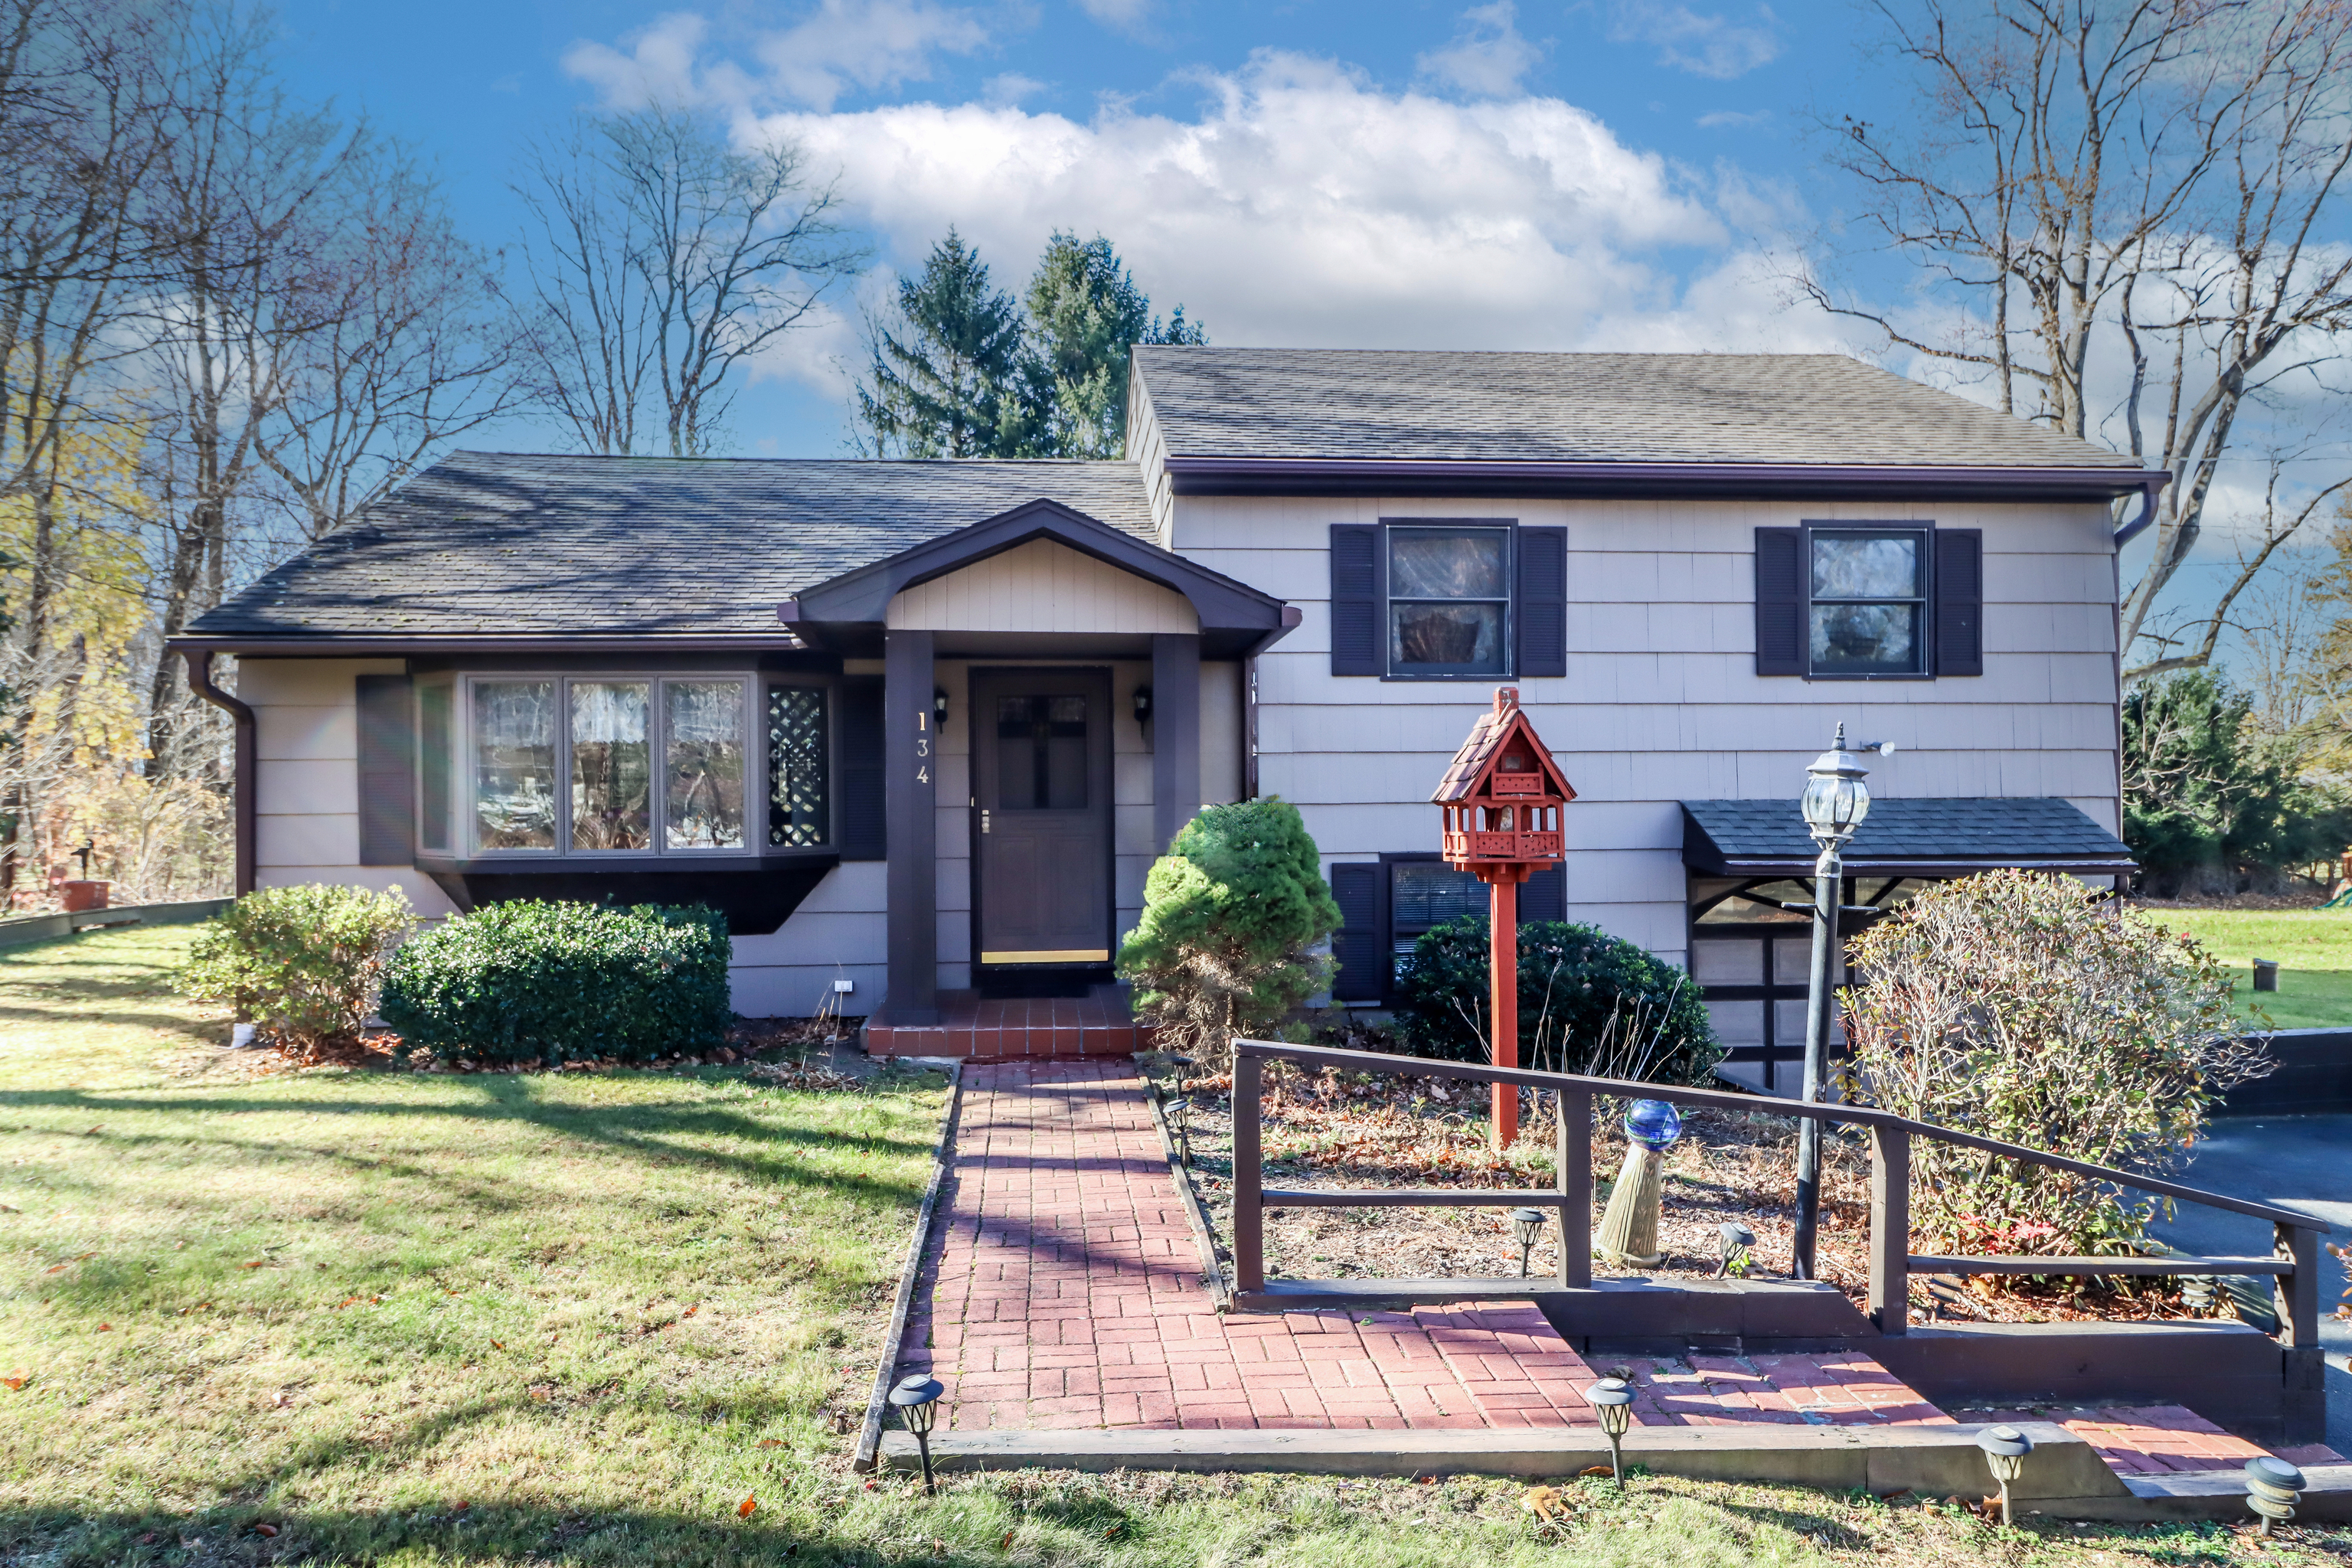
(1544, 895)
(1779, 600)
(1361, 944)
(1542, 605)
(1356, 599)
(387, 750)
(865, 827)
(1959, 601)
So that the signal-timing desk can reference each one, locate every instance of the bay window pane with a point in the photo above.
(612, 765)
(702, 788)
(514, 764)
(434, 709)
(798, 799)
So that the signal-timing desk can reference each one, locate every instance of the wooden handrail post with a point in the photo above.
(1890, 1229)
(2298, 1293)
(1249, 1181)
(1575, 1153)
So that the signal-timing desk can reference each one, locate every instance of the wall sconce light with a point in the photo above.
(940, 707)
(1142, 703)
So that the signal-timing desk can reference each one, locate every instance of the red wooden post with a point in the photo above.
(1501, 802)
(1502, 978)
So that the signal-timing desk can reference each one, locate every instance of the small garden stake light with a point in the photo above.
(1612, 1402)
(2005, 1448)
(1180, 1111)
(1834, 803)
(1501, 800)
(1527, 1225)
(2273, 1489)
(1738, 1239)
(917, 1399)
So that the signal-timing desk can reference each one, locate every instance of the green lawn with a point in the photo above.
(2313, 948)
(347, 1317)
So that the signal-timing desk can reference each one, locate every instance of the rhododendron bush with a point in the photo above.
(2018, 1005)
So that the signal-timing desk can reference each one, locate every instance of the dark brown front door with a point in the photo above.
(1040, 778)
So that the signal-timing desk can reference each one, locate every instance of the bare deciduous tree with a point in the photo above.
(2132, 209)
(660, 260)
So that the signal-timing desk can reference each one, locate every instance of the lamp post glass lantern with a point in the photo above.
(916, 1398)
(1612, 1402)
(1527, 1225)
(1834, 804)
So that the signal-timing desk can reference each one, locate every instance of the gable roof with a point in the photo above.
(1225, 413)
(1493, 727)
(487, 547)
(1931, 835)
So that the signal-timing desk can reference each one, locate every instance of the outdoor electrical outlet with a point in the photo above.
(844, 988)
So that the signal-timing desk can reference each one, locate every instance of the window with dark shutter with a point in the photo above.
(387, 771)
(1361, 944)
(1959, 601)
(1543, 601)
(1356, 599)
(864, 825)
(1544, 895)
(1779, 600)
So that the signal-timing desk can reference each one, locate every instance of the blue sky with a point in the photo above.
(1625, 173)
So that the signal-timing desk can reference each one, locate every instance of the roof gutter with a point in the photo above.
(376, 646)
(1380, 476)
(200, 681)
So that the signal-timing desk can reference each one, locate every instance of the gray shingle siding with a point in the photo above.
(496, 544)
(1437, 407)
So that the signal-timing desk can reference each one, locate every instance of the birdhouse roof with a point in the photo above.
(1483, 751)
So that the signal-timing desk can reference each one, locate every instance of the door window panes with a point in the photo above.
(1869, 602)
(435, 711)
(702, 793)
(1449, 600)
(1040, 753)
(514, 764)
(797, 803)
(612, 765)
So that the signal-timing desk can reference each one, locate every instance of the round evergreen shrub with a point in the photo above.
(550, 982)
(303, 963)
(1589, 1002)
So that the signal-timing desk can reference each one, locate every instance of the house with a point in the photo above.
(920, 728)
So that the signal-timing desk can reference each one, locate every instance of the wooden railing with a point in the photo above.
(2295, 1266)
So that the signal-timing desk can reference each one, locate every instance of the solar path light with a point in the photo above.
(2273, 1489)
(917, 1399)
(1612, 1402)
(1180, 1113)
(1738, 1239)
(2005, 1448)
(1527, 1225)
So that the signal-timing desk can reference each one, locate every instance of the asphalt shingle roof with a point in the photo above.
(535, 546)
(1438, 406)
(1945, 831)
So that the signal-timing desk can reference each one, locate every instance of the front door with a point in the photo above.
(1041, 801)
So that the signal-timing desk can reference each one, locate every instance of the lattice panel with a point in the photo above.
(797, 799)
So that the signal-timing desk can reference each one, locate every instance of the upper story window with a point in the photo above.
(1449, 601)
(614, 765)
(1868, 600)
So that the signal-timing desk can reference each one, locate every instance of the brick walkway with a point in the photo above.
(1063, 1290)
(2160, 1438)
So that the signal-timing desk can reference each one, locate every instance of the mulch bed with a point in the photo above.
(1328, 1130)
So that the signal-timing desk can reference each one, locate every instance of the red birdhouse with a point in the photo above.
(1502, 799)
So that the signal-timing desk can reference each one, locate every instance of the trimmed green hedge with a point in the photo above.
(531, 981)
(1589, 1002)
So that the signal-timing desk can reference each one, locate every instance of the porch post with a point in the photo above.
(1175, 735)
(909, 795)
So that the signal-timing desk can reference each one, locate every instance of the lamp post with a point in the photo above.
(2005, 1448)
(1834, 803)
(1527, 1225)
(917, 1399)
(1612, 1402)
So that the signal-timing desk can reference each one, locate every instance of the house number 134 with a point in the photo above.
(923, 746)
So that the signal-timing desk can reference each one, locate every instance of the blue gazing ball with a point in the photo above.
(1653, 1124)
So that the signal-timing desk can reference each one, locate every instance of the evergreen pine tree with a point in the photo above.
(952, 379)
(1085, 314)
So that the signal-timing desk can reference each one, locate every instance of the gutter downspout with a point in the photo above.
(2148, 491)
(200, 681)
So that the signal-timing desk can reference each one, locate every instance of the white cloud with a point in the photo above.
(1009, 87)
(1487, 55)
(1302, 206)
(1734, 118)
(1125, 16)
(839, 44)
(1705, 45)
